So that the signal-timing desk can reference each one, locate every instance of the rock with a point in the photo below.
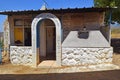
(81, 51)
(29, 61)
(77, 58)
(72, 62)
(99, 61)
(21, 55)
(65, 62)
(102, 55)
(99, 52)
(91, 62)
(76, 52)
(109, 54)
(96, 55)
(109, 60)
(64, 56)
(13, 57)
(15, 61)
(70, 56)
(106, 50)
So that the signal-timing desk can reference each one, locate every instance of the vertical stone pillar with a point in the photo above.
(6, 41)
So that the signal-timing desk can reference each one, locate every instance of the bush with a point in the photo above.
(1, 44)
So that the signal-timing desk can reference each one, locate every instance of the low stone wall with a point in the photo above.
(21, 55)
(86, 56)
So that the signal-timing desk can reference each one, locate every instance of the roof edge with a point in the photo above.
(88, 9)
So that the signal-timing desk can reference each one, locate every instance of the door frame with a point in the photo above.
(35, 37)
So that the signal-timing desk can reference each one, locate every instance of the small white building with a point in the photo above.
(69, 36)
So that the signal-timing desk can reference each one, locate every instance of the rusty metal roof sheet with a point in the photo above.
(67, 10)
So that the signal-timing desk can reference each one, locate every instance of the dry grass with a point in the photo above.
(115, 33)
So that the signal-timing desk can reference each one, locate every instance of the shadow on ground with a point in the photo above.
(115, 43)
(99, 75)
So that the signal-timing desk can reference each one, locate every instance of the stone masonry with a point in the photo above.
(86, 56)
(21, 55)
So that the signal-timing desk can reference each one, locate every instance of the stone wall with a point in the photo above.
(21, 55)
(5, 53)
(86, 56)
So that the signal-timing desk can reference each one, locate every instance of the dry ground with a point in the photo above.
(98, 75)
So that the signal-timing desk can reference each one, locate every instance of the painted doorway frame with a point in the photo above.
(34, 29)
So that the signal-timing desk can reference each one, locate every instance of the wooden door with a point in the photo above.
(50, 41)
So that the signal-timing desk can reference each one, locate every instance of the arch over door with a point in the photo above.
(35, 40)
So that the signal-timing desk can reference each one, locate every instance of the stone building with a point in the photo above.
(69, 36)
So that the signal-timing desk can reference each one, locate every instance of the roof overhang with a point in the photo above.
(68, 10)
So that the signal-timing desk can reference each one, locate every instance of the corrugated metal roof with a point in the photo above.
(67, 10)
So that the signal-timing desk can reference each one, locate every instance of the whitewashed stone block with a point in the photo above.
(21, 55)
(86, 56)
(109, 55)
(72, 62)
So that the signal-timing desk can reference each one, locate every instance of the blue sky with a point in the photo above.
(36, 4)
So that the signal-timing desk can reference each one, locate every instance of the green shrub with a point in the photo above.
(1, 44)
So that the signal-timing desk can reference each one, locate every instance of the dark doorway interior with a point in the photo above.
(51, 43)
(27, 36)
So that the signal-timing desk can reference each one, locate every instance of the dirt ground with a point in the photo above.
(13, 72)
(98, 75)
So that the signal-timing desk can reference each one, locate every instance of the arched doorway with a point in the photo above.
(47, 31)
(36, 37)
